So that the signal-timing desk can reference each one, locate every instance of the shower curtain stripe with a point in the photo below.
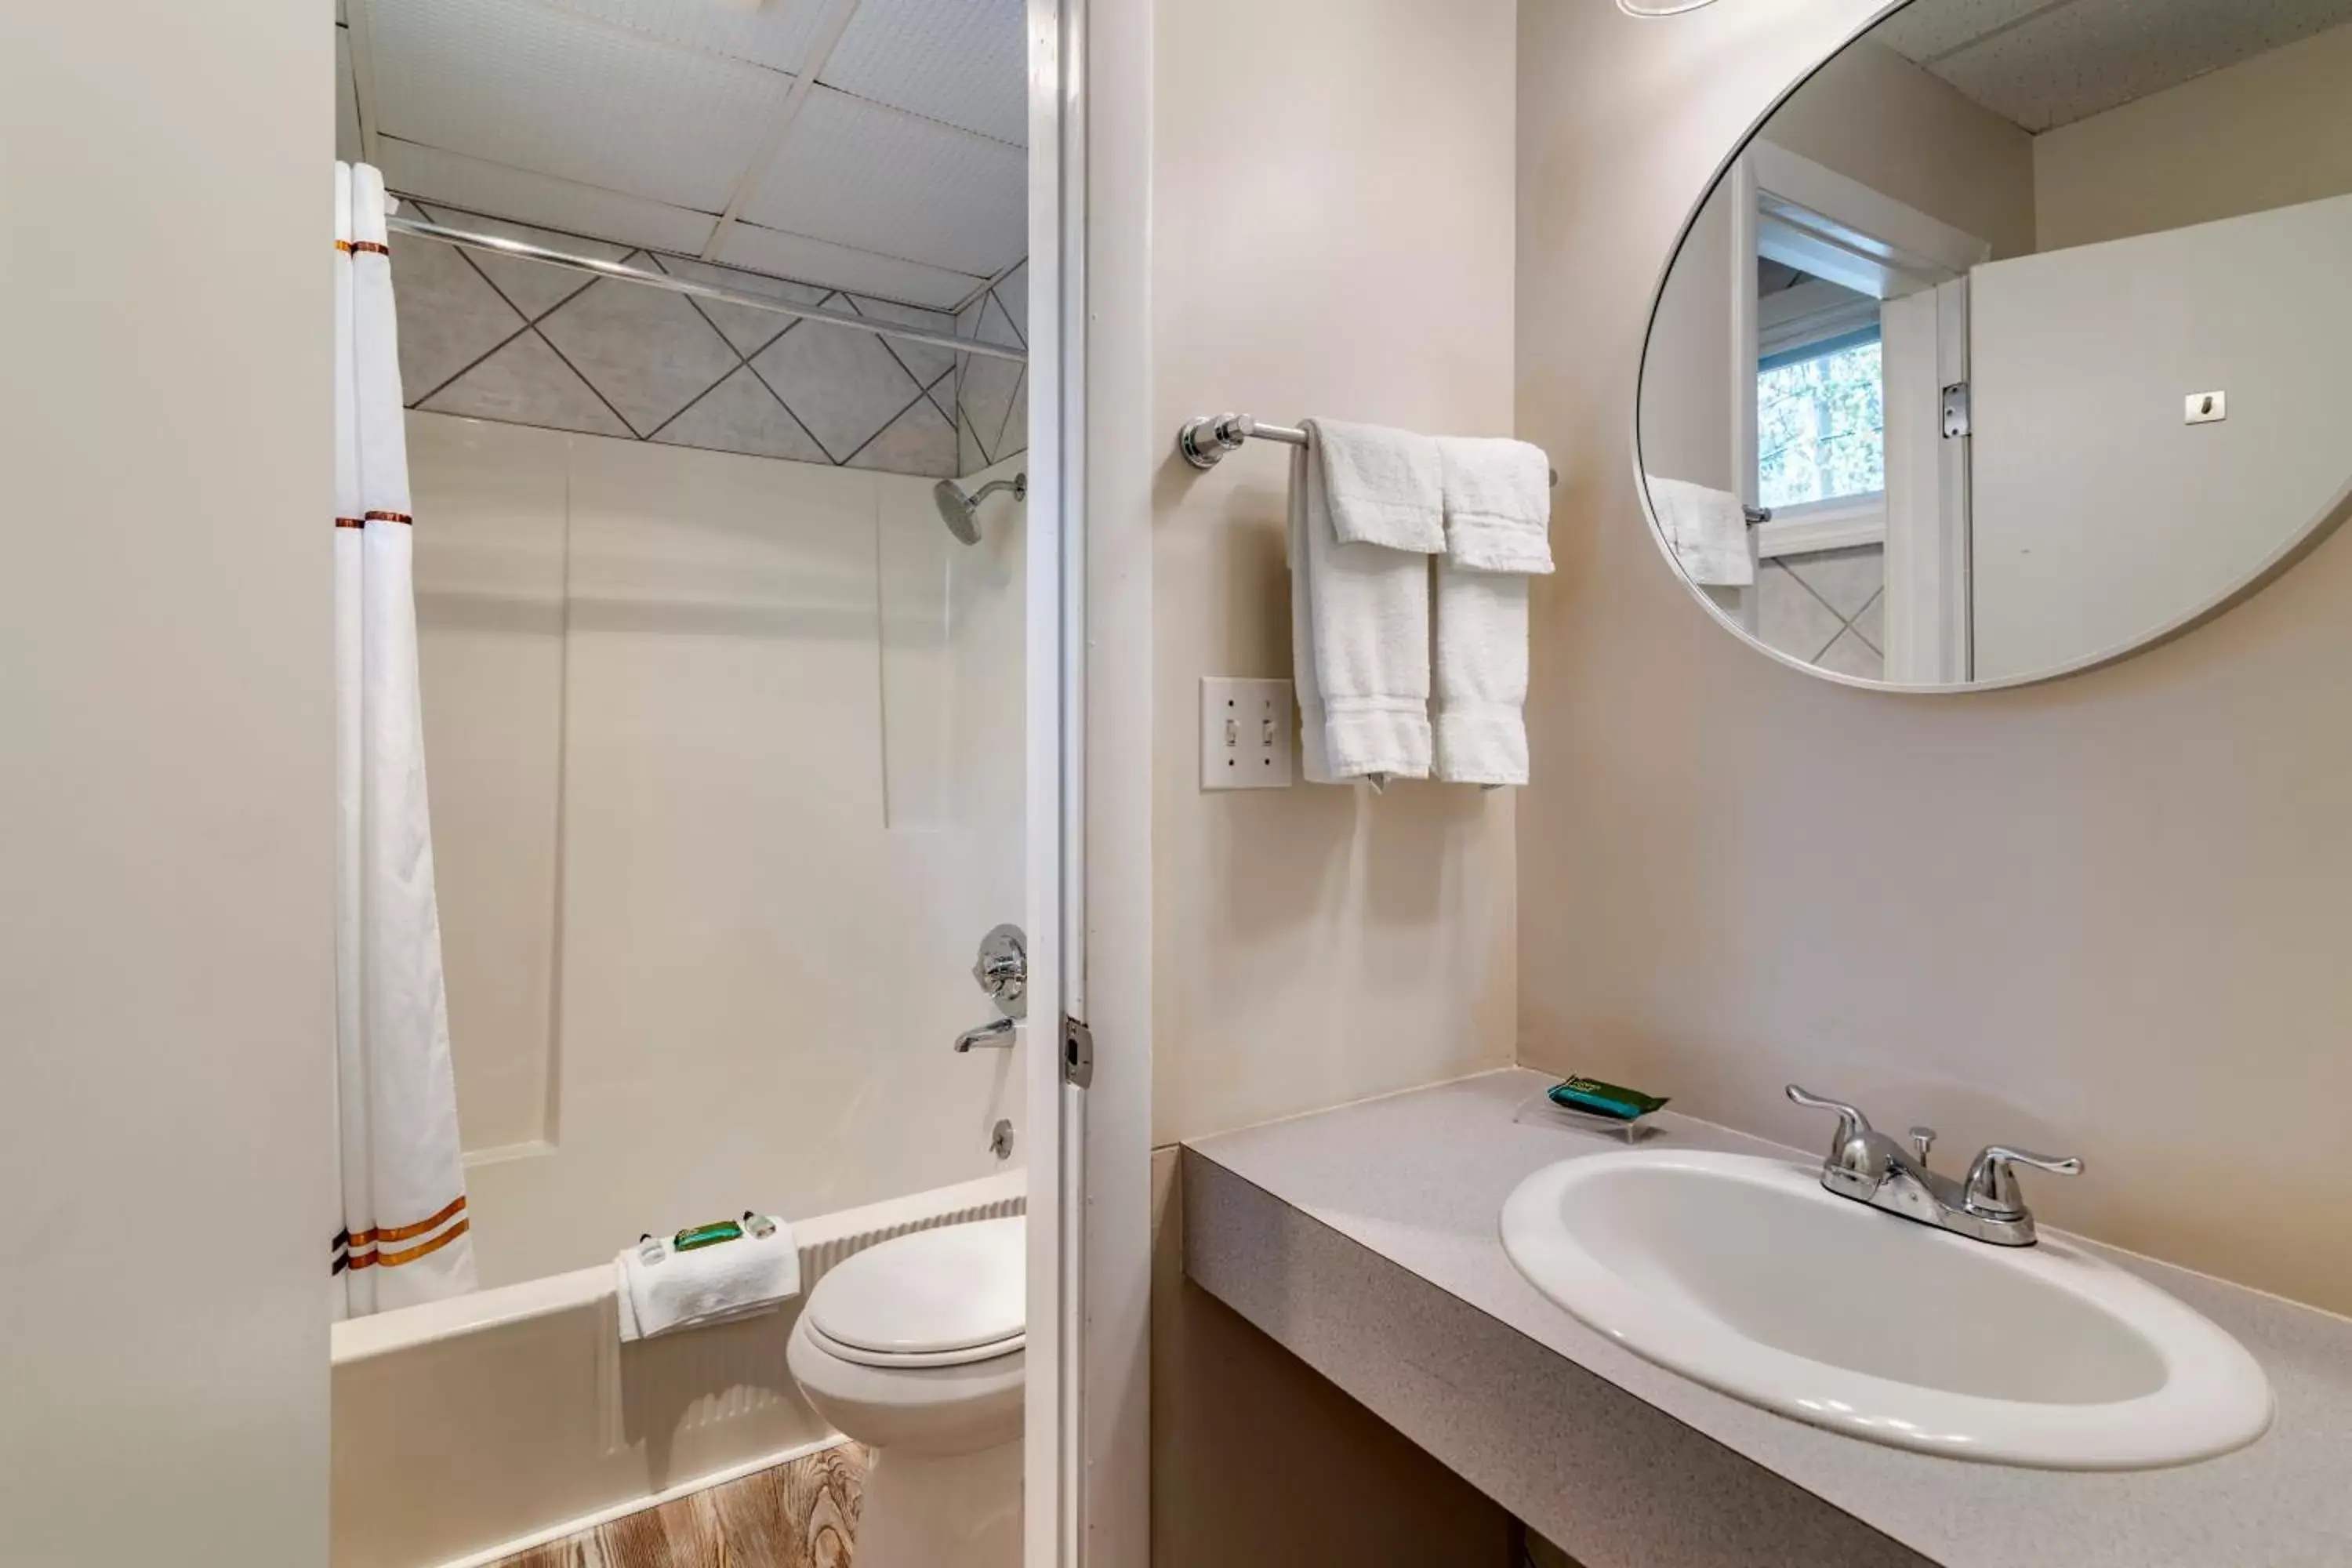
(396, 1104)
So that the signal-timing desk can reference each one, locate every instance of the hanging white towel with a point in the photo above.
(1497, 497)
(1359, 644)
(1498, 500)
(662, 1289)
(1383, 487)
(1707, 529)
(405, 1223)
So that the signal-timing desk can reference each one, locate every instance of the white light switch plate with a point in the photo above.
(1245, 733)
(2204, 407)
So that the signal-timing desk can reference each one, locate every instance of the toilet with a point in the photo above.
(913, 1347)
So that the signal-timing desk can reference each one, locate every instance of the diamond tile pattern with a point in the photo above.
(648, 352)
(497, 338)
(843, 384)
(1828, 608)
(740, 414)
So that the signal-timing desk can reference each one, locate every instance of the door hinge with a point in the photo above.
(1956, 409)
(1077, 1052)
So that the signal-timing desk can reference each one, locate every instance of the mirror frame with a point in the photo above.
(2274, 565)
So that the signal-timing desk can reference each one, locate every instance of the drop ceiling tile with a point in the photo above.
(919, 441)
(926, 363)
(434, 175)
(775, 34)
(535, 288)
(964, 62)
(649, 351)
(1934, 28)
(527, 382)
(525, 84)
(2078, 59)
(740, 414)
(839, 382)
(835, 266)
(448, 316)
(1012, 292)
(881, 180)
(747, 329)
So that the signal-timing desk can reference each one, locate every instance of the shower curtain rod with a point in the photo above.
(501, 246)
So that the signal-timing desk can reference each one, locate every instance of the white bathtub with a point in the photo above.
(468, 1429)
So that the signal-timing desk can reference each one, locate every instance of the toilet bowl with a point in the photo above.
(914, 1348)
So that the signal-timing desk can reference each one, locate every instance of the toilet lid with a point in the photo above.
(953, 1288)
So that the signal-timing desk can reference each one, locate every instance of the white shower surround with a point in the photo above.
(727, 778)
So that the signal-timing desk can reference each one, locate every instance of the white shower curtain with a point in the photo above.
(404, 1222)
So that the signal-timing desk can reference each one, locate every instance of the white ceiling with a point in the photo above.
(871, 145)
(2046, 63)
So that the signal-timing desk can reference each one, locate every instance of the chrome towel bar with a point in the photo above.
(1205, 441)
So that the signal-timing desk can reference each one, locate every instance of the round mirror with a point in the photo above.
(2017, 337)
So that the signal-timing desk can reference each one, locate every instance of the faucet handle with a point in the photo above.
(1991, 1185)
(1851, 1122)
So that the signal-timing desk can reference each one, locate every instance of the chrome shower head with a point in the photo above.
(961, 512)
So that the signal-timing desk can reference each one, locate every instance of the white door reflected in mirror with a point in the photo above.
(1907, 404)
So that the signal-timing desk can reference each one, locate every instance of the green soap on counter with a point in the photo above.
(1605, 1099)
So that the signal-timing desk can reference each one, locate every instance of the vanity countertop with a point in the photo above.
(1365, 1239)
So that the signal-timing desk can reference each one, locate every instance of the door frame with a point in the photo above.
(1088, 847)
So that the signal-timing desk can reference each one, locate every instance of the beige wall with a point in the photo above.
(1874, 116)
(1332, 221)
(725, 770)
(1332, 234)
(2100, 916)
(2268, 132)
(166, 841)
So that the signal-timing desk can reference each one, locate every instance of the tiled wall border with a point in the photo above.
(495, 337)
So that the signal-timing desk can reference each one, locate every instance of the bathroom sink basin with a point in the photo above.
(1743, 1274)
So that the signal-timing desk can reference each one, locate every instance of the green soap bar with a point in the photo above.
(1607, 1099)
(708, 1236)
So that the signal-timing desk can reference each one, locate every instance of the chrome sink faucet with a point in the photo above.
(1869, 1167)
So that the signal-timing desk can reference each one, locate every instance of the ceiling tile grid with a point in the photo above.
(964, 62)
(520, 82)
(776, 35)
(479, 185)
(2041, 64)
(858, 174)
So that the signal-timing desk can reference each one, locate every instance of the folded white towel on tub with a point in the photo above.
(663, 1289)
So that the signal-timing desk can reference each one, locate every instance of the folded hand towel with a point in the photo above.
(663, 1289)
(1360, 645)
(1481, 733)
(1497, 497)
(1383, 487)
(1707, 530)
